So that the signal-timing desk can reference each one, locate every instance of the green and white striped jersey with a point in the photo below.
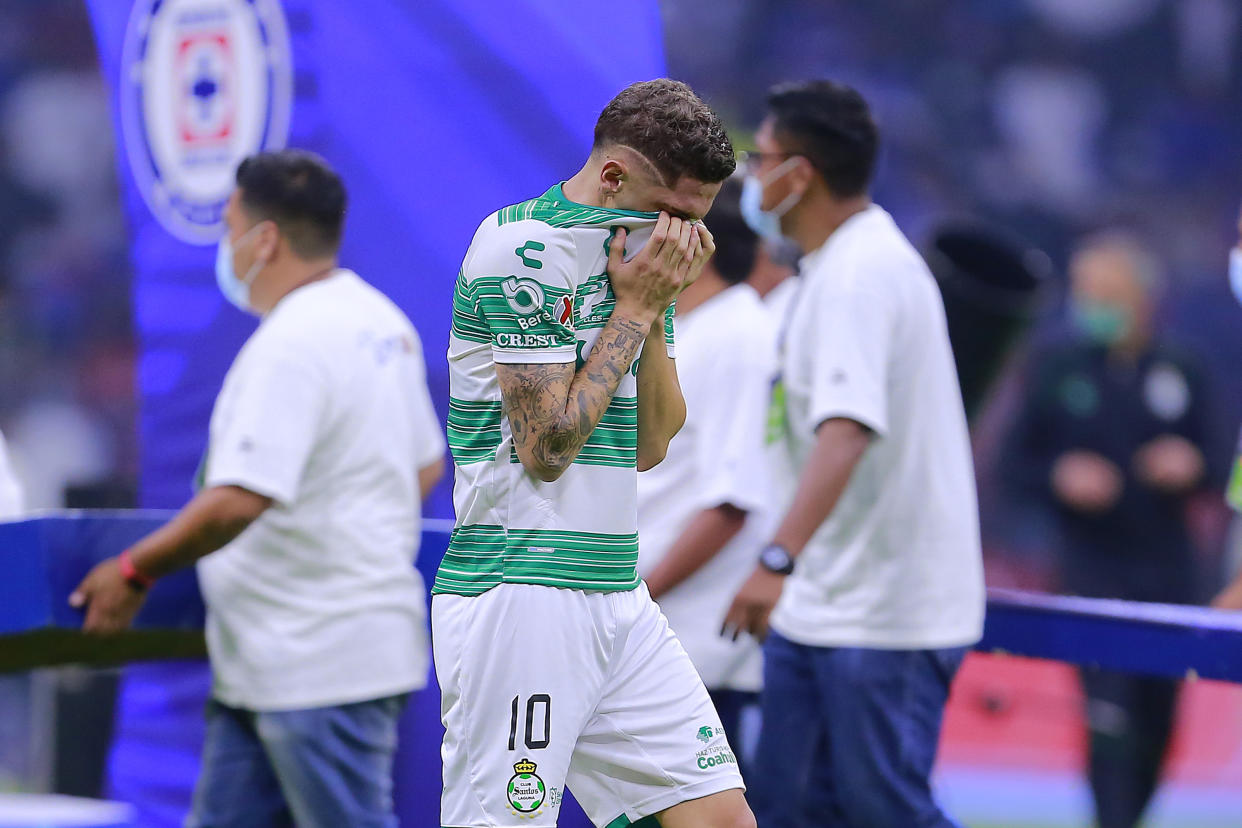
(534, 288)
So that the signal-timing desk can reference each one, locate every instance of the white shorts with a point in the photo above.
(544, 688)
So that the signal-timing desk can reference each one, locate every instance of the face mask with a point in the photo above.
(1235, 272)
(236, 291)
(1104, 324)
(766, 223)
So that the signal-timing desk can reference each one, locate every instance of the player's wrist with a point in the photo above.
(637, 312)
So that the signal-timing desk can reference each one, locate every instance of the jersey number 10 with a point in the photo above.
(531, 742)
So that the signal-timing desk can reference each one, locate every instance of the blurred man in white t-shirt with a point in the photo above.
(707, 508)
(873, 581)
(322, 444)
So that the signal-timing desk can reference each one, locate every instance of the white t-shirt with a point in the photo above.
(897, 564)
(11, 502)
(726, 363)
(326, 411)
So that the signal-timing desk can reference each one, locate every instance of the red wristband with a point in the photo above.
(130, 572)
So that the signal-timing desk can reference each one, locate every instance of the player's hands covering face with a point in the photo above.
(672, 259)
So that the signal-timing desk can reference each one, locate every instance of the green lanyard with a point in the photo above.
(1233, 493)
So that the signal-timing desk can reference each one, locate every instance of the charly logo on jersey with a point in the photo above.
(526, 790)
(204, 83)
(524, 253)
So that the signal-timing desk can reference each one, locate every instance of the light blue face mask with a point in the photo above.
(766, 223)
(1235, 272)
(1102, 323)
(236, 291)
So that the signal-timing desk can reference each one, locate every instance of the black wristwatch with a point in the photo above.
(776, 558)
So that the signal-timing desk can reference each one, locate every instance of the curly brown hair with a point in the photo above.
(671, 126)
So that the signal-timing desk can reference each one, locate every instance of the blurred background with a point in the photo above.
(1052, 118)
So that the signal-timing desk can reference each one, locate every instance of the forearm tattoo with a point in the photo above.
(552, 410)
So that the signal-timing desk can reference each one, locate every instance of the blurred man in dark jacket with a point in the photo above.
(1113, 436)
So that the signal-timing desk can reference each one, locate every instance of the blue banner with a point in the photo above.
(436, 112)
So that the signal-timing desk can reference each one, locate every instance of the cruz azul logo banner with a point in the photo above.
(205, 83)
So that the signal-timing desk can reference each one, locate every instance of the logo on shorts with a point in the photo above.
(204, 83)
(715, 757)
(705, 734)
(526, 791)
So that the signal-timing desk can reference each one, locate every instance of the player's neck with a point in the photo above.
(276, 286)
(581, 188)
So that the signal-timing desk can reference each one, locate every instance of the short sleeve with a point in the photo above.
(853, 340)
(266, 422)
(519, 281)
(429, 443)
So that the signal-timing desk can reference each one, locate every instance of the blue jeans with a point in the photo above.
(731, 706)
(849, 736)
(323, 767)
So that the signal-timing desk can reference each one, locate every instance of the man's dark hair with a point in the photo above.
(665, 121)
(736, 243)
(301, 193)
(831, 126)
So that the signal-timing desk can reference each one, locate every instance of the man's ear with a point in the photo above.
(268, 242)
(612, 176)
(802, 175)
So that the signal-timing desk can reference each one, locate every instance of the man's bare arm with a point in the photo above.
(700, 542)
(211, 520)
(661, 406)
(839, 446)
(429, 475)
(552, 410)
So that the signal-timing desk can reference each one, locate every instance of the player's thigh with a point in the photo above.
(519, 669)
(726, 809)
(655, 741)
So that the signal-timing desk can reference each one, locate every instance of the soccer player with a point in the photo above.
(556, 667)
